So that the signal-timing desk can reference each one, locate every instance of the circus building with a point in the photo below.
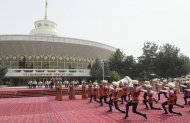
(44, 53)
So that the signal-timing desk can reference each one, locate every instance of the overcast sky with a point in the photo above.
(124, 24)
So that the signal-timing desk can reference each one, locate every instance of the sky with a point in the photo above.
(123, 24)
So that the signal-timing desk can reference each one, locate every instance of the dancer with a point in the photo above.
(150, 99)
(115, 93)
(125, 93)
(94, 92)
(104, 93)
(163, 85)
(89, 89)
(135, 99)
(144, 87)
(84, 91)
(175, 99)
(170, 101)
(186, 92)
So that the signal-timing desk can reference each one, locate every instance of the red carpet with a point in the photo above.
(47, 110)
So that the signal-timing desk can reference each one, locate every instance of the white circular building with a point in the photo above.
(44, 53)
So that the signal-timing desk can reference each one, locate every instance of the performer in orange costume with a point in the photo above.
(163, 85)
(150, 99)
(115, 93)
(94, 92)
(89, 89)
(104, 93)
(125, 93)
(135, 92)
(175, 99)
(170, 101)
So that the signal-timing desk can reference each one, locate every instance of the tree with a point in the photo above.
(3, 71)
(184, 62)
(97, 70)
(115, 76)
(130, 67)
(147, 60)
(170, 62)
(116, 62)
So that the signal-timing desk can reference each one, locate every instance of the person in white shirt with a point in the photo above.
(40, 83)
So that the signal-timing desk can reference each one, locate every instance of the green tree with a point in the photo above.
(130, 67)
(147, 60)
(3, 71)
(115, 76)
(184, 62)
(170, 62)
(116, 62)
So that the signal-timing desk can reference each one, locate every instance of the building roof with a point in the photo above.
(52, 45)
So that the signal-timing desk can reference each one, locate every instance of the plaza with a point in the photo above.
(47, 110)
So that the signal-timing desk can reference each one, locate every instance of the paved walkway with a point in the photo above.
(47, 110)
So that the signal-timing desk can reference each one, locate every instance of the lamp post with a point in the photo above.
(102, 65)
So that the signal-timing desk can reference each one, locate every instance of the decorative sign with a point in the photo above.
(48, 74)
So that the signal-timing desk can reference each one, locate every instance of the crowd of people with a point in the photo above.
(51, 83)
(128, 93)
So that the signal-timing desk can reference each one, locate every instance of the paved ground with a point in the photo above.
(47, 110)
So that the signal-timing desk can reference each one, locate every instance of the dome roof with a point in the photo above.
(45, 27)
(53, 45)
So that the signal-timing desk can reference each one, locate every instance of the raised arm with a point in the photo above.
(167, 88)
(143, 90)
(118, 89)
(111, 88)
(154, 92)
(139, 88)
(166, 91)
(184, 86)
(187, 89)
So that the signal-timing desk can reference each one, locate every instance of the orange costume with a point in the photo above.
(175, 99)
(150, 99)
(135, 92)
(171, 100)
(115, 94)
(103, 95)
(163, 88)
(135, 96)
(125, 93)
(94, 93)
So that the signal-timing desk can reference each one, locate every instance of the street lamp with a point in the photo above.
(102, 65)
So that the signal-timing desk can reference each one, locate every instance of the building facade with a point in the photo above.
(44, 54)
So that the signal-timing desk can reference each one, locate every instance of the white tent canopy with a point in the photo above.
(125, 79)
